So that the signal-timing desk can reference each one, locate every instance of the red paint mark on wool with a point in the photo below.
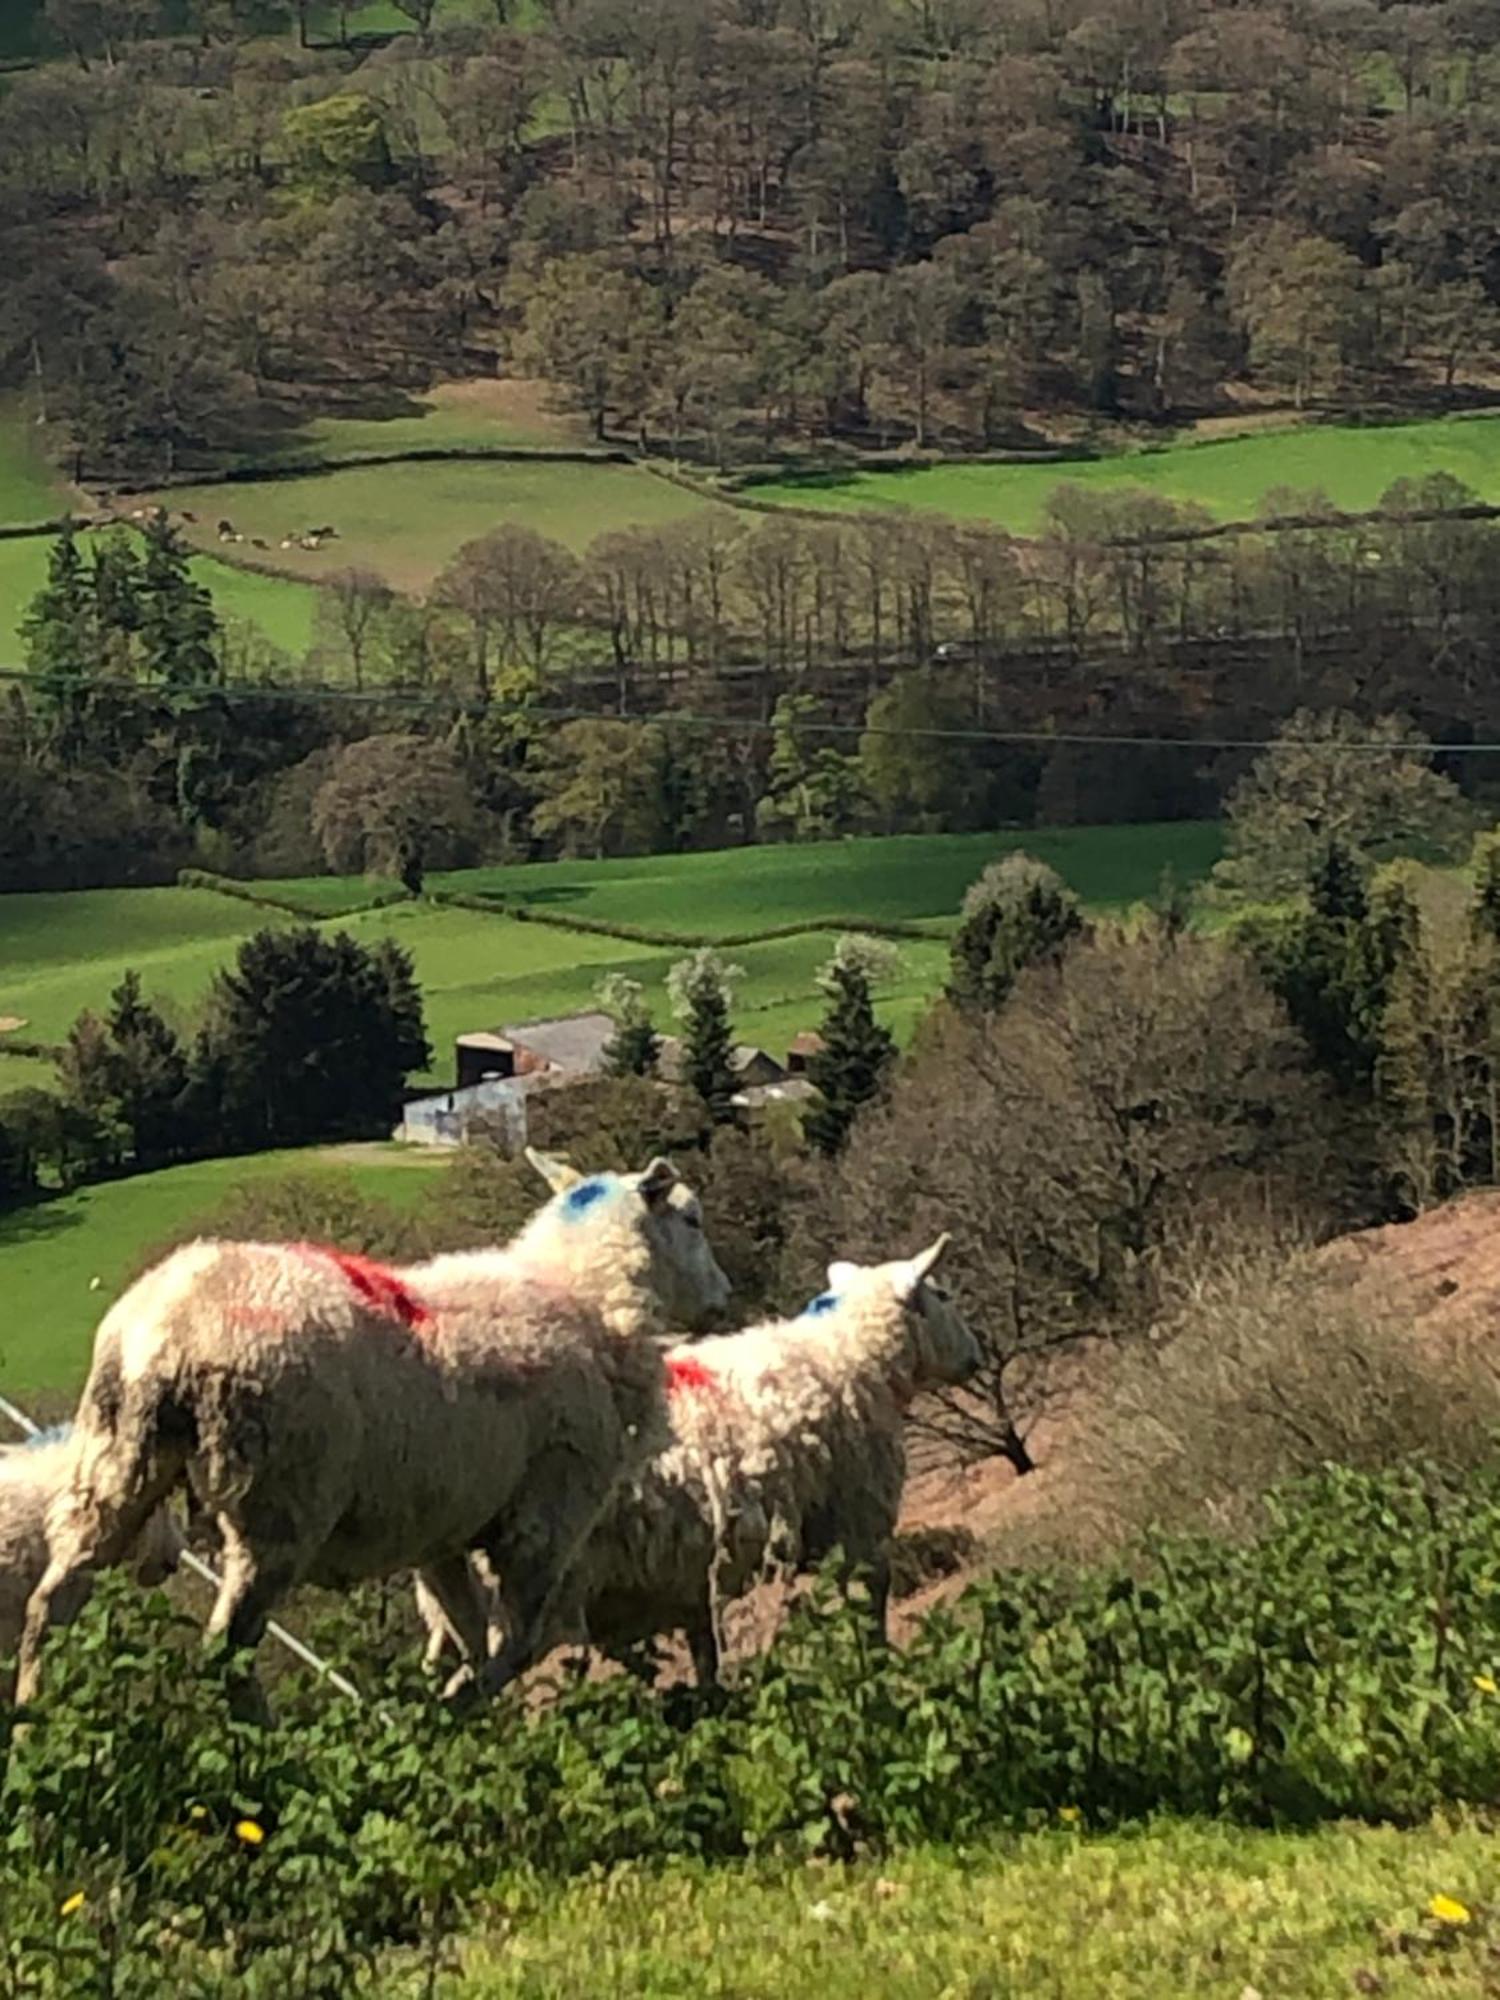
(377, 1285)
(685, 1373)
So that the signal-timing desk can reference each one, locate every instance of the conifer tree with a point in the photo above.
(633, 1048)
(179, 631)
(700, 987)
(58, 628)
(856, 1054)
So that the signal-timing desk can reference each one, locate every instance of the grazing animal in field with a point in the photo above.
(340, 1420)
(30, 1477)
(787, 1441)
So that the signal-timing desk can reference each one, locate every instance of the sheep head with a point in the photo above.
(943, 1348)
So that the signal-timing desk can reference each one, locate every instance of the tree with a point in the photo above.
(1020, 912)
(150, 1075)
(1336, 777)
(1298, 301)
(857, 1053)
(307, 1037)
(358, 600)
(336, 142)
(57, 628)
(700, 988)
(591, 329)
(813, 790)
(919, 781)
(395, 805)
(178, 628)
(513, 584)
(599, 787)
(634, 1047)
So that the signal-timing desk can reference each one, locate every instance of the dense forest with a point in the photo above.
(733, 226)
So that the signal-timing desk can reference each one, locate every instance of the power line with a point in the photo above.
(245, 691)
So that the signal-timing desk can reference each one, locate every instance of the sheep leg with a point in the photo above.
(536, 1562)
(84, 1533)
(250, 1588)
(451, 1587)
(703, 1644)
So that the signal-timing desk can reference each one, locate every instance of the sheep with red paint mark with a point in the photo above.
(30, 1476)
(340, 1421)
(788, 1441)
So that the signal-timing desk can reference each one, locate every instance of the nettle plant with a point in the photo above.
(1346, 1662)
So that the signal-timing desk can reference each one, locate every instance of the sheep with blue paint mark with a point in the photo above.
(340, 1420)
(30, 1475)
(787, 1442)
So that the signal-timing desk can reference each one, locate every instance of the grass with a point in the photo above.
(904, 878)
(278, 607)
(482, 415)
(407, 521)
(61, 953)
(51, 1252)
(1352, 464)
(1190, 1910)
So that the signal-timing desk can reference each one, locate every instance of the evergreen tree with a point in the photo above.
(89, 1083)
(58, 627)
(700, 989)
(150, 1075)
(856, 1054)
(1020, 912)
(115, 582)
(308, 1037)
(633, 1048)
(1484, 910)
(178, 628)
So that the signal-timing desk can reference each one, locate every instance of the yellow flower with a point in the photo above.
(1448, 1910)
(248, 1831)
(1070, 1815)
(1486, 1684)
(74, 1904)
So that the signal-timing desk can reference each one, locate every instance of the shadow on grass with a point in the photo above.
(36, 1221)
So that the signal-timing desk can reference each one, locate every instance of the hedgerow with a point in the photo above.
(1342, 1664)
(526, 913)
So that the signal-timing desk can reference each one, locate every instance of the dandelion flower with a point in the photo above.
(197, 1812)
(249, 1831)
(74, 1904)
(1486, 1684)
(1448, 1910)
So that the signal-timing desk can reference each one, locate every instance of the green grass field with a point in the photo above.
(905, 878)
(407, 521)
(483, 415)
(1179, 1911)
(1352, 464)
(280, 607)
(51, 1253)
(62, 953)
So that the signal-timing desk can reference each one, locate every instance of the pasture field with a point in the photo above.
(1352, 464)
(62, 953)
(51, 1253)
(904, 878)
(1195, 1910)
(483, 415)
(279, 607)
(407, 521)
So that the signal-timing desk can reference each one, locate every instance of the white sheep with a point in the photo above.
(341, 1420)
(787, 1442)
(30, 1474)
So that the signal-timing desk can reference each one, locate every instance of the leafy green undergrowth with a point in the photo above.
(1182, 1908)
(1341, 1666)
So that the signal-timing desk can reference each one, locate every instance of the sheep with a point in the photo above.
(30, 1474)
(787, 1441)
(341, 1420)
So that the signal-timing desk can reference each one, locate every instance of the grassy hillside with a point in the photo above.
(50, 1254)
(61, 953)
(482, 415)
(407, 521)
(1352, 464)
(904, 878)
(1179, 1911)
(30, 489)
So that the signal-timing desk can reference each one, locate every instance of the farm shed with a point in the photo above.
(569, 1045)
(752, 1067)
(451, 1116)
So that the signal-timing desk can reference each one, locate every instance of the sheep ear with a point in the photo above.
(909, 1276)
(657, 1180)
(558, 1175)
(840, 1274)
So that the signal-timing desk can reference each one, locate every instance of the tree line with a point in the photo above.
(724, 228)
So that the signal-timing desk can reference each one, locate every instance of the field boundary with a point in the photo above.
(229, 885)
(523, 913)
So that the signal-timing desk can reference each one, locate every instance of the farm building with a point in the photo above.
(452, 1117)
(569, 1045)
(753, 1068)
(801, 1050)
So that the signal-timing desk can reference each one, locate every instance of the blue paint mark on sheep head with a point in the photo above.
(823, 1303)
(578, 1200)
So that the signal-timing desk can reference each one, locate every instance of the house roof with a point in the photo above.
(806, 1042)
(565, 1041)
(787, 1090)
(743, 1056)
